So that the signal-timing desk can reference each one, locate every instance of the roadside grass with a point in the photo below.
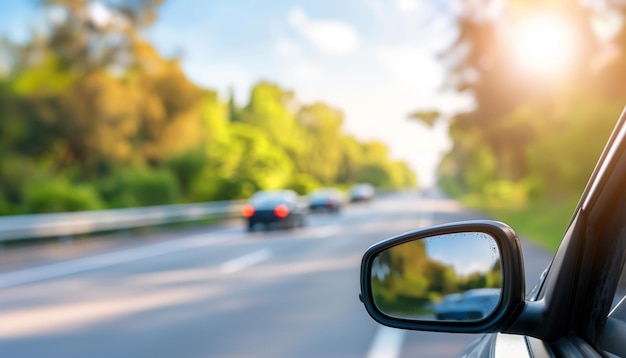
(542, 222)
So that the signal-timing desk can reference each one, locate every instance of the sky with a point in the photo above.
(467, 252)
(376, 61)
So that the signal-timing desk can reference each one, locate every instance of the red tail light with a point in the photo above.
(247, 210)
(281, 211)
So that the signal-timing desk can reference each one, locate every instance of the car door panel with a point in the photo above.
(507, 346)
(539, 348)
(573, 346)
(614, 336)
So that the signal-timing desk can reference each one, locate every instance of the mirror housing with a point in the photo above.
(512, 291)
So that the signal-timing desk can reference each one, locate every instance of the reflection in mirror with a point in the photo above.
(443, 277)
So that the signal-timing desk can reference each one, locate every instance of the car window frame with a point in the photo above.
(581, 281)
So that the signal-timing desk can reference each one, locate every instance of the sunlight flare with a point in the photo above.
(544, 44)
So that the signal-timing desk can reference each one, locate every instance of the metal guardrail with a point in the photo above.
(17, 227)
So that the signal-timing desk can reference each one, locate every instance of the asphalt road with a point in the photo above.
(219, 291)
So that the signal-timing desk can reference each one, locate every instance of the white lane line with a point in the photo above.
(324, 232)
(244, 261)
(104, 260)
(387, 343)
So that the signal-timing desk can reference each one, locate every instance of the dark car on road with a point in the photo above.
(326, 199)
(473, 304)
(576, 309)
(274, 209)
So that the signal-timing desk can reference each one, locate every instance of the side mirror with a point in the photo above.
(464, 277)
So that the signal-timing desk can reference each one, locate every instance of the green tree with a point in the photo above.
(91, 104)
(491, 142)
(272, 110)
(322, 157)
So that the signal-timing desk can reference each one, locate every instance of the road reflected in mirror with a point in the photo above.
(444, 277)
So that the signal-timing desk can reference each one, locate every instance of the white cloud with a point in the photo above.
(408, 64)
(468, 267)
(328, 37)
(305, 71)
(294, 65)
(287, 49)
(406, 5)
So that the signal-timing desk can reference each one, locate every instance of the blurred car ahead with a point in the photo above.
(472, 305)
(274, 208)
(362, 192)
(447, 302)
(326, 199)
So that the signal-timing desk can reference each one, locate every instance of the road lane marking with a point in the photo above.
(323, 232)
(48, 320)
(41, 273)
(244, 261)
(387, 343)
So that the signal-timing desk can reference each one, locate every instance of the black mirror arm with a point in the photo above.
(531, 315)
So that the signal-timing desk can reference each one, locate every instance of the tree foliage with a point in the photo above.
(92, 116)
(528, 138)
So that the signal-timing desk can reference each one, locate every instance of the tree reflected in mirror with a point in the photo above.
(444, 277)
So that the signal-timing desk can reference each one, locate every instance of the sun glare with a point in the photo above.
(544, 44)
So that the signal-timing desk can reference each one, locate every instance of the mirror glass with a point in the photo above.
(444, 277)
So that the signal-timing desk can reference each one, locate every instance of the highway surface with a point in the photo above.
(218, 291)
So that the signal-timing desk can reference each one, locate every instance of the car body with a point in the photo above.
(473, 304)
(578, 306)
(362, 192)
(326, 199)
(274, 208)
